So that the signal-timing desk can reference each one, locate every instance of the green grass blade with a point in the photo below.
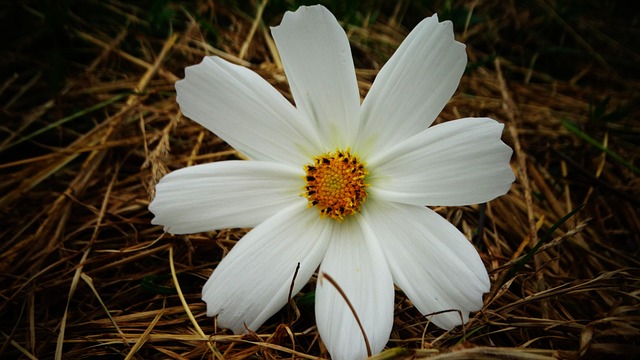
(574, 129)
(547, 236)
(64, 120)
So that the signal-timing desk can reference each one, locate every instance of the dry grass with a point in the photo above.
(84, 141)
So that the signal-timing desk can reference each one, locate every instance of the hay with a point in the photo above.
(91, 124)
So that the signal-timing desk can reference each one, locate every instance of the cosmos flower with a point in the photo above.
(339, 185)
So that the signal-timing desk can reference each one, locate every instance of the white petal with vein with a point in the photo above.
(253, 281)
(223, 195)
(413, 86)
(458, 162)
(317, 60)
(431, 261)
(355, 261)
(246, 111)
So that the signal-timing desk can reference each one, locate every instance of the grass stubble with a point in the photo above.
(85, 275)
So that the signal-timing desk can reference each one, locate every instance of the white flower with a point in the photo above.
(338, 184)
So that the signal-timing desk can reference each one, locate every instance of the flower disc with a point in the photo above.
(335, 184)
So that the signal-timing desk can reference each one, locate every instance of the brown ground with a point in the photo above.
(90, 124)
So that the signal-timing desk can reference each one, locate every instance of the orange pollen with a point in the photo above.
(335, 184)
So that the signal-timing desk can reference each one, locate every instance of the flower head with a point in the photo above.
(336, 184)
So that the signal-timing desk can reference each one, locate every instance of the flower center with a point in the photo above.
(335, 184)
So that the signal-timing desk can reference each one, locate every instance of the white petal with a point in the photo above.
(458, 162)
(224, 194)
(252, 282)
(355, 262)
(431, 261)
(413, 86)
(317, 60)
(246, 111)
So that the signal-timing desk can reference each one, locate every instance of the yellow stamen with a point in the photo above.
(335, 184)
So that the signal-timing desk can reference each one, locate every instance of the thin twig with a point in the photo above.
(324, 275)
